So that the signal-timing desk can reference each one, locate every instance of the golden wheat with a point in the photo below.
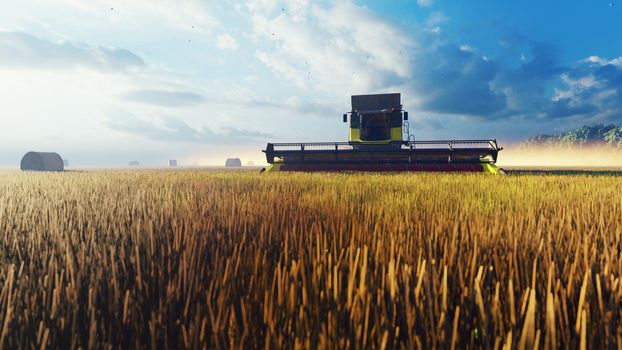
(193, 259)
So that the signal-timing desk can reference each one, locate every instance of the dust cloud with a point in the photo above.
(568, 157)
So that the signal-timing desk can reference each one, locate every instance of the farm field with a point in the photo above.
(235, 259)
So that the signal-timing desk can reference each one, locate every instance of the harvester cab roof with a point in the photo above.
(380, 140)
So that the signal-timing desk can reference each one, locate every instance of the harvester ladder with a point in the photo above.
(410, 138)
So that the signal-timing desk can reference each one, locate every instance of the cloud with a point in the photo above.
(18, 49)
(252, 79)
(425, 3)
(190, 15)
(226, 42)
(601, 61)
(591, 89)
(293, 104)
(174, 98)
(332, 49)
(164, 98)
(527, 86)
(453, 80)
(171, 129)
(456, 79)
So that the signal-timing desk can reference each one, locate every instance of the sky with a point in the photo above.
(104, 82)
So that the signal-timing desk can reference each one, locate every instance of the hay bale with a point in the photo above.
(42, 161)
(172, 162)
(134, 163)
(233, 163)
(66, 162)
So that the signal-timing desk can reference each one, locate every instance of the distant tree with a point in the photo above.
(614, 137)
(585, 135)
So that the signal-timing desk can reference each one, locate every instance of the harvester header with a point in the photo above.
(380, 140)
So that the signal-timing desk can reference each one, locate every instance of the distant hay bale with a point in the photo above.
(172, 162)
(65, 162)
(233, 163)
(134, 163)
(42, 161)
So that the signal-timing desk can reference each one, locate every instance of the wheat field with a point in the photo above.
(224, 259)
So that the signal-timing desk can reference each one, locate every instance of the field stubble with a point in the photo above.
(235, 259)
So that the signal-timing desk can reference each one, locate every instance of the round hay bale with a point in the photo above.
(42, 161)
(233, 163)
(134, 163)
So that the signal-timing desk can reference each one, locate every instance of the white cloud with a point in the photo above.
(23, 50)
(173, 129)
(251, 78)
(466, 48)
(575, 87)
(590, 90)
(425, 3)
(185, 15)
(333, 49)
(164, 98)
(62, 95)
(434, 22)
(434, 30)
(437, 18)
(43, 104)
(601, 61)
(561, 95)
(260, 6)
(595, 59)
(226, 42)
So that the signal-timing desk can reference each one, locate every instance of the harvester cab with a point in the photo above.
(376, 120)
(380, 140)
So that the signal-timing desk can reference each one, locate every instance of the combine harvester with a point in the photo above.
(377, 123)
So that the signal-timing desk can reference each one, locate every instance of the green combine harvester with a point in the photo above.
(380, 140)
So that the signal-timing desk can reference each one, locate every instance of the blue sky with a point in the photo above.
(104, 82)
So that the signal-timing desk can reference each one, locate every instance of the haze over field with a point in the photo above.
(573, 157)
(105, 82)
